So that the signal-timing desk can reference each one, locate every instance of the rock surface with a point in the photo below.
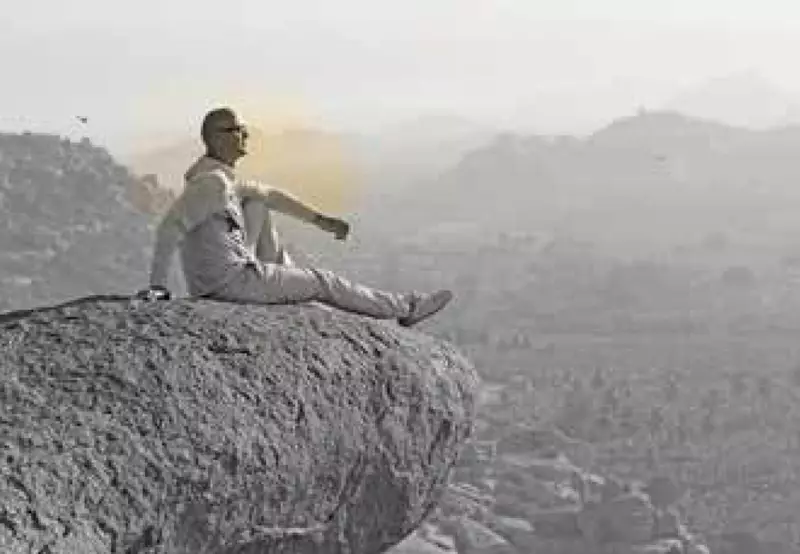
(194, 427)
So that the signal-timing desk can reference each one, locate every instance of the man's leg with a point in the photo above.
(280, 284)
(261, 234)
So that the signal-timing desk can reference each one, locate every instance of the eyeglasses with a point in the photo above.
(234, 129)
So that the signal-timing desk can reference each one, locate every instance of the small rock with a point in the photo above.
(557, 523)
(472, 537)
(415, 544)
(628, 518)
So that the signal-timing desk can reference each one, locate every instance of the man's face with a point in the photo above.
(230, 138)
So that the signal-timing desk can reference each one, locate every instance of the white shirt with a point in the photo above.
(206, 221)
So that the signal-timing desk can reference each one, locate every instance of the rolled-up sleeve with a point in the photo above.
(201, 198)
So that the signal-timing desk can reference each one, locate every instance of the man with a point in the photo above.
(229, 248)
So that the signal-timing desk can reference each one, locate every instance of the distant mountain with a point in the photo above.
(651, 178)
(744, 99)
(69, 224)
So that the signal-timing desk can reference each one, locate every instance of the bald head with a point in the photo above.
(213, 120)
(224, 136)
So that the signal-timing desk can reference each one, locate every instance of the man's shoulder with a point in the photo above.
(206, 170)
(211, 181)
(207, 191)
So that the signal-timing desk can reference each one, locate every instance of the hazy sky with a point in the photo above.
(150, 68)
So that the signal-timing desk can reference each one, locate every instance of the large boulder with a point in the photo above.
(199, 427)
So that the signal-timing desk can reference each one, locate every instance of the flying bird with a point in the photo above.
(83, 119)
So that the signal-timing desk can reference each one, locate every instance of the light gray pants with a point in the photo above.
(276, 280)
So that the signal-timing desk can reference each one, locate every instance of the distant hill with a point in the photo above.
(654, 177)
(744, 99)
(68, 222)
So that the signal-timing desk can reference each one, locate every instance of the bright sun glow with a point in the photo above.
(286, 147)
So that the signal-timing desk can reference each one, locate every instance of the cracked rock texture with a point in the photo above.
(202, 427)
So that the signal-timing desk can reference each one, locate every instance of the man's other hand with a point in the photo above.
(153, 293)
(339, 227)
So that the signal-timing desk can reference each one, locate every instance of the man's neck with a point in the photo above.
(217, 157)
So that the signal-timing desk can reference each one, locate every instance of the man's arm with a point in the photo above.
(280, 201)
(169, 234)
(286, 203)
(200, 199)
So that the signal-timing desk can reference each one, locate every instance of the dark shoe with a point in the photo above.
(426, 305)
(153, 293)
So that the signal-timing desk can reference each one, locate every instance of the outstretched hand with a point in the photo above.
(153, 293)
(339, 227)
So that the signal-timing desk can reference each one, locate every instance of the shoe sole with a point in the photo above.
(437, 307)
